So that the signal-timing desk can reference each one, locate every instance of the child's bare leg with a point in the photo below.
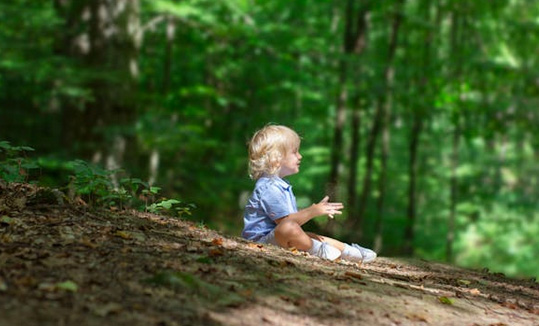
(290, 234)
(335, 243)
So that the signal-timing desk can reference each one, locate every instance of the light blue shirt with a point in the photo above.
(271, 200)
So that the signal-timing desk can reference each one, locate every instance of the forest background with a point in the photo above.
(419, 115)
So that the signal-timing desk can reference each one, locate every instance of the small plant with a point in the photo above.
(93, 182)
(95, 185)
(14, 165)
(172, 207)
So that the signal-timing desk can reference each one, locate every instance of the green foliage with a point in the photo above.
(172, 207)
(14, 164)
(98, 186)
(502, 238)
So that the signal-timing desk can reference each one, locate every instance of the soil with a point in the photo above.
(66, 264)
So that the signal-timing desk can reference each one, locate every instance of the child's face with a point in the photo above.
(290, 163)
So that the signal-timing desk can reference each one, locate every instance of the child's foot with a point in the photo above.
(324, 250)
(368, 255)
(352, 254)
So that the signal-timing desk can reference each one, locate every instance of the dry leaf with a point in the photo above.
(475, 291)
(510, 305)
(354, 275)
(123, 234)
(416, 317)
(217, 241)
(294, 250)
(255, 245)
(216, 252)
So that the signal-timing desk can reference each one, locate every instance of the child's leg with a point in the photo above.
(349, 252)
(290, 234)
(335, 243)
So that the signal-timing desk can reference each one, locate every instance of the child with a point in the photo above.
(271, 215)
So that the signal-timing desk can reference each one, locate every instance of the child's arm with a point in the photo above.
(322, 208)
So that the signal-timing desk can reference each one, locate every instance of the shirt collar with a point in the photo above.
(284, 184)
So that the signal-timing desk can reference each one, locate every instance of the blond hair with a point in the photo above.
(268, 147)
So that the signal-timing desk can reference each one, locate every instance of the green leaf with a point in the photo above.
(445, 300)
(69, 286)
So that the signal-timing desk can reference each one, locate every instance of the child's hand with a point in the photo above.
(326, 208)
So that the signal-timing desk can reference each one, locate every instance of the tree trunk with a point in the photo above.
(456, 39)
(409, 234)
(378, 226)
(354, 43)
(419, 114)
(378, 117)
(107, 43)
(354, 158)
(454, 191)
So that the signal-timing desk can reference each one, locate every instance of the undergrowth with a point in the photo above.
(91, 183)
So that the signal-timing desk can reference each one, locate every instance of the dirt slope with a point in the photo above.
(68, 265)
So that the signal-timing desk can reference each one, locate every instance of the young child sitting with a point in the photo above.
(271, 215)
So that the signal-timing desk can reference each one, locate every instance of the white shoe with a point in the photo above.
(368, 255)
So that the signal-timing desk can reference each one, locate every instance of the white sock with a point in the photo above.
(351, 253)
(315, 247)
(324, 250)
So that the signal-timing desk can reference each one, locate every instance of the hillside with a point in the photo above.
(66, 264)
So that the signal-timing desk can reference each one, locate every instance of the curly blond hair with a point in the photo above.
(268, 147)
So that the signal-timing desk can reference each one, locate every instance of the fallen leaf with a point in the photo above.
(294, 250)
(68, 286)
(464, 282)
(255, 245)
(353, 275)
(6, 220)
(475, 291)
(416, 317)
(216, 252)
(510, 305)
(445, 300)
(25, 281)
(48, 287)
(217, 241)
(123, 234)
(88, 243)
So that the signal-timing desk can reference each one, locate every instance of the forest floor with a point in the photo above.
(70, 265)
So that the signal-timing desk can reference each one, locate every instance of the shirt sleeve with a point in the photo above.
(275, 203)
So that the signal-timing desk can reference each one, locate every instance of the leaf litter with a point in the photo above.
(64, 263)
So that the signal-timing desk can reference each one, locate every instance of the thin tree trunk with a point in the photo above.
(379, 222)
(409, 234)
(342, 98)
(354, 158)
(456, 38)
(454, 192)
(378, 117)
(354, 44)
(359, 47)
(419, 114)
